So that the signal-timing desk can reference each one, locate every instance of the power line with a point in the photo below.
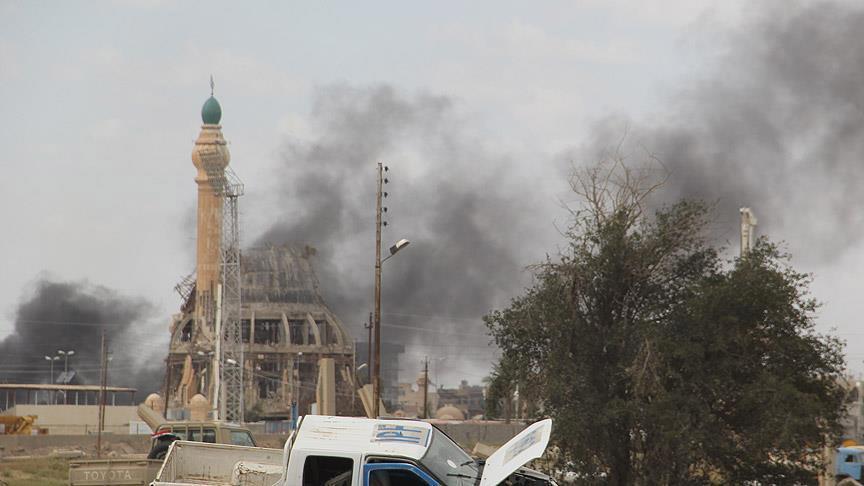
(439, 331)
(75, 323)
(456, 318)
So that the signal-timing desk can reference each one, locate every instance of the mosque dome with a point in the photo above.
(155, 402)
(198, 408)
(211, 112)
(449, 412)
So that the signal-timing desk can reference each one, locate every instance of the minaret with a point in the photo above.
(212, 148)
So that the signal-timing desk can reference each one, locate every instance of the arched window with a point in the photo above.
(268, 331)
(186, 332)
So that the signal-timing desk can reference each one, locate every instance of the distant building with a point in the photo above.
(390, 358)
(853, 421)
(72, 409)
(410, 400)
(467, 398)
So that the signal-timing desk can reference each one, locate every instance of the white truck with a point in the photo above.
(349, 451)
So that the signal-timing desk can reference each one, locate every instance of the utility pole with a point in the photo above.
(369, 365)
(298, 360)
(103, 383)
(426, 387)
(376, 375)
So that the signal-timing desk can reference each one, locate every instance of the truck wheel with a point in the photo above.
(847, 481)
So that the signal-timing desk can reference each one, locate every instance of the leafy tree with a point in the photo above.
(660, 362)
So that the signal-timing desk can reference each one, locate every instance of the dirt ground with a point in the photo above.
(42, 471)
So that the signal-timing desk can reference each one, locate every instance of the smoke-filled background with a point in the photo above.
(469, 211)
(480, 112)
(776, 123)
(71, 316)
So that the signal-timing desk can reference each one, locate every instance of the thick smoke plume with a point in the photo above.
(777, 124)
(462, 206)
(71, 316)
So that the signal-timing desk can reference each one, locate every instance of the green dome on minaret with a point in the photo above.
(211, 112)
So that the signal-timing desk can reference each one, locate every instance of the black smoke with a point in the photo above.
(775, 123)
(464, 207)
(66, 316)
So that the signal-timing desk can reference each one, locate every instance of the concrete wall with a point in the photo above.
(78, 419)
(114, 444)
(13, 445)
(469, 433)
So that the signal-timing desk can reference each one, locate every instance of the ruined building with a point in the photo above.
(291, 340)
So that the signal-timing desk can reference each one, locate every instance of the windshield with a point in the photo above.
(449, 462)
(242, 438)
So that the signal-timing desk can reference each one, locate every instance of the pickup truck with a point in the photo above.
(141, 471)
(210, 432)
(350, 451)
(849, 465)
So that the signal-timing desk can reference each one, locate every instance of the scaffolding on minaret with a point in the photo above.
(228, 187)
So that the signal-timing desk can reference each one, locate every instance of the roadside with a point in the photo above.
(37, 471)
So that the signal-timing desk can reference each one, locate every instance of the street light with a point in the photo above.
(52, 360)
(376, 364)
(395, 248)
(357, 373)
(66, 355)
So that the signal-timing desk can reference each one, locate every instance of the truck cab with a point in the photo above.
(347, 451)
(208, 432)
(212, 432)
(849, 462)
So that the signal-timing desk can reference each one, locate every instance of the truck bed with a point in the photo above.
(214, 464)
(121, 472)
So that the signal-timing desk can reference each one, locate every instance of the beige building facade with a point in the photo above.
(81, 419)
(410, 401)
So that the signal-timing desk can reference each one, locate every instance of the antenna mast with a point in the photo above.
(227, 186)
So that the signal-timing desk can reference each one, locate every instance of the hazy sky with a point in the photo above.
(100, 105)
